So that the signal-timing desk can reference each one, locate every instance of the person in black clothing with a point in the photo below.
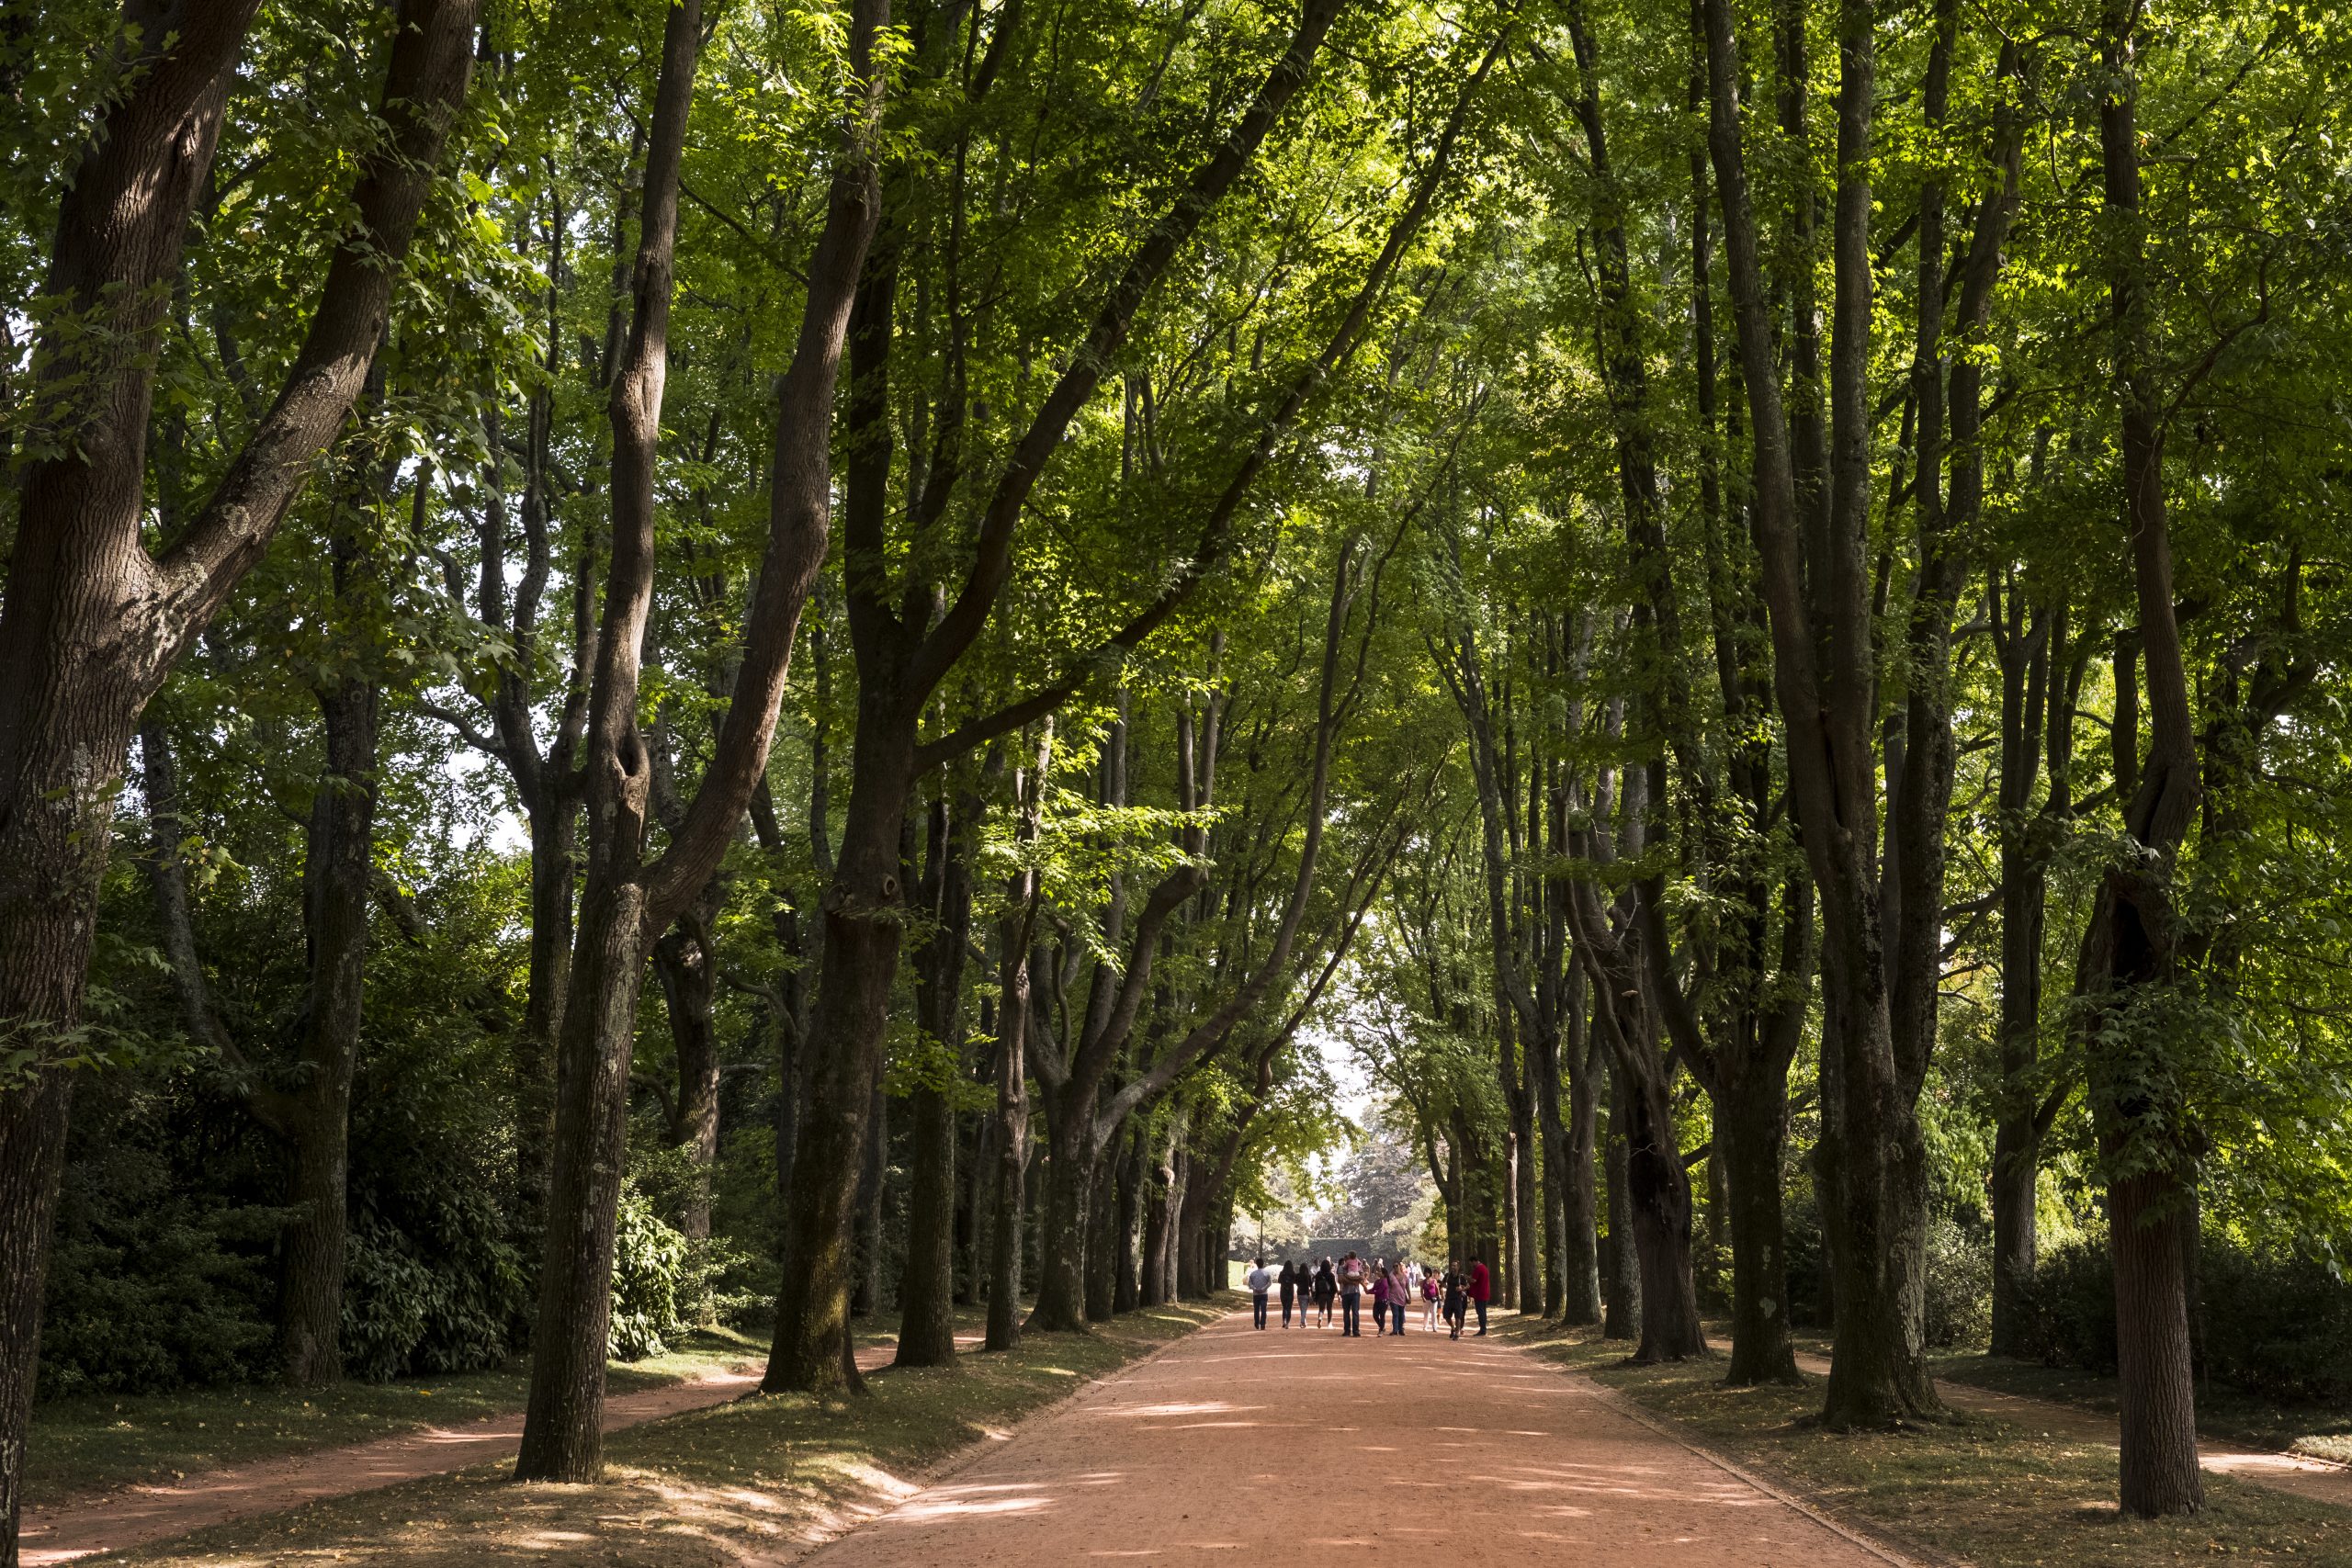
(1326, 1291)
(1289, 1288)
(1457, 1297)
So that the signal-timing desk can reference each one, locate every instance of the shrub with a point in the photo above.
(1960, 1284)
(157, 1277)
(2275, 1325)
(2278, 1325)
(2070, 1306)
(442, 1292)
(650, 1273)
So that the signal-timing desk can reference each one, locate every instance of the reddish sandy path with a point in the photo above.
(1468, 1454)
(2300, 1473)
(84, 1527)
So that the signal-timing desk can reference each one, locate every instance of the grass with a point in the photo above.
(715, 1487)
(1974, 1488)
(101, 1442)
(2232, 1415)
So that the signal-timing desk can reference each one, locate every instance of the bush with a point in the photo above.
(2278, 1325)
(2274, 1325)
(1960, 1284)
(157, 1277)
(443, 1292)
(650, 1274)
(2070, 1306)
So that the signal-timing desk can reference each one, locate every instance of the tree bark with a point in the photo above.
(626, 902)
(2131, 949)
(1621, 1263)
(1159, 1218)
(1103, 1244)
(686, 967)
(1133, 1178)
(338, 882)
(926, 1292)
(91, 623)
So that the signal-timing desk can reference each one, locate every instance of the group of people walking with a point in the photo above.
(1394, 1289)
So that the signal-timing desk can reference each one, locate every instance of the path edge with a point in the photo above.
(1895, 1552)
(973, 1452)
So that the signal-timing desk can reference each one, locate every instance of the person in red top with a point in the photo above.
(1481, 1287)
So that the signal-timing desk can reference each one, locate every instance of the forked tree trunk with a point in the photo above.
(626, 902)
(903, 654)
(1870, 1162)
(92, 624)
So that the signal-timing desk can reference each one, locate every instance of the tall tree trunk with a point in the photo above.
(2131, 950)
(1061, 1284)
(686, 968)
(625, 901)
(91, 623)
(1582, 1269)
(1870, 1161)
(555, 833)
(1527, 1210)
(1160, 1217)
(926, 1284)
(1133, 1179)
(1558, 1176)
(1103, 1245)
(926, 1294)
(1621, 1263)
(338, 880)
(1751, 1131)
(2037, 693)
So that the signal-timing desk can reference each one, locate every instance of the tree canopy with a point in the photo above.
(1743, 603)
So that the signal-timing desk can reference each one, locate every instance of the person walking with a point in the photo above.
(1326, 1291)
(1456, 1284)
(1400, 1291)
(1481, 1287)
(1352, 1278)
(1290, 1289)
(1260, 1281)
(1428, 1298)
(1379, 1297)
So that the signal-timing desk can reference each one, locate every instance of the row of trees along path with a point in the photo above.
(1733, 600)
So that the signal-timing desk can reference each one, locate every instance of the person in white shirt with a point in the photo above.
(1261, 1279)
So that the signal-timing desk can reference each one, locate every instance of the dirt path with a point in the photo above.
(2298, 1474)
(135, 1515)
(1471, 1454)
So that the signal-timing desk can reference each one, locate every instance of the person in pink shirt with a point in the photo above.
(1481, 1287)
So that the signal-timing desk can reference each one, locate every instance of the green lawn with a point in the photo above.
(2222, 1412)
(717, 1486)
(1971, 1488)
(97, 1443)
